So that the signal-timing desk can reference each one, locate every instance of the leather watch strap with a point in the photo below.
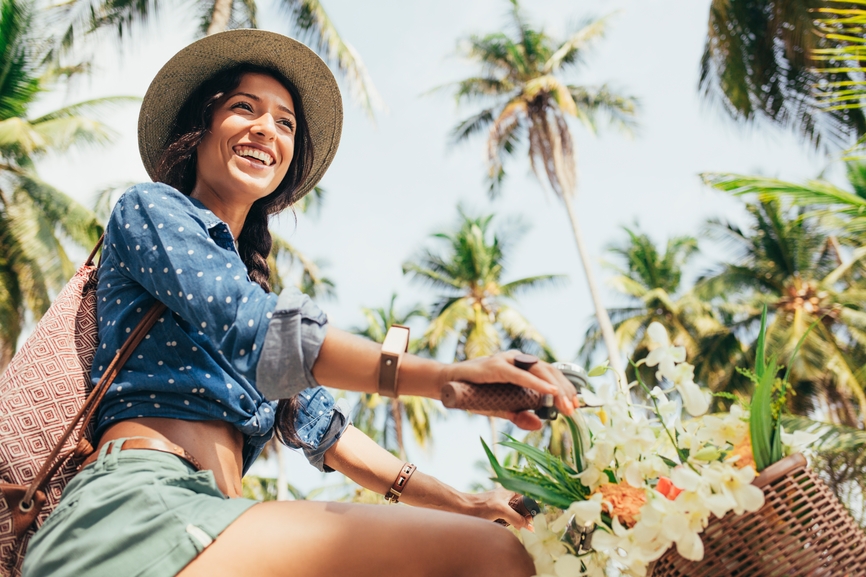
(396, 343)
(396, 491)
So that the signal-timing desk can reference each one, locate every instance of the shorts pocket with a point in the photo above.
(200, 482)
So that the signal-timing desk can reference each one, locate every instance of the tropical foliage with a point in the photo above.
(382, 419)
(35, 217)
(474, 304)
(527, 100)
(652, 283)
(307, 20)
(762, 59)
(788, 262)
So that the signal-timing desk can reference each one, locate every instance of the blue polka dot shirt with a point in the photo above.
(224, 349)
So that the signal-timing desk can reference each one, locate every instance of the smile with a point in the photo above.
(254, 153)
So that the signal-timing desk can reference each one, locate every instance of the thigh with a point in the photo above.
(313, 539)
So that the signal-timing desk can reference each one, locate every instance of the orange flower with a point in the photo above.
(622, 501)
(744, 450)
(668, 489)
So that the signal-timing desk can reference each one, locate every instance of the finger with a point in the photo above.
(530, 379)
(565, 400)
(526, 420)
(513, 518)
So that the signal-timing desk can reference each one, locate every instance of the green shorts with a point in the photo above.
(134, 513)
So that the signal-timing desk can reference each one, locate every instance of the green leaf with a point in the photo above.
(577, 444)
(760, 363)
(513, 482)
(599, 370)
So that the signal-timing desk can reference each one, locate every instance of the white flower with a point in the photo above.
(730, 428)
(544, 545)
(663, 353)
(798, 440)
(585, 513)
(735, 485)
(695, 400)
(666, 407)
(605, 395)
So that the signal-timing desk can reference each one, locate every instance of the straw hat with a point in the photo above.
(173, 84)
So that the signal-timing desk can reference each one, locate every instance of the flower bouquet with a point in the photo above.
(641, 485)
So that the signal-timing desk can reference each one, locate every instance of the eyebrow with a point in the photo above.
(257, 99)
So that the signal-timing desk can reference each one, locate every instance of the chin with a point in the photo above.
(255, 188)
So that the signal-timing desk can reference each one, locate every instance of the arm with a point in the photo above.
(350, 362)
(362, 460)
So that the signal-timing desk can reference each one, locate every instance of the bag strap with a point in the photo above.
(85, 413)
(89, 261)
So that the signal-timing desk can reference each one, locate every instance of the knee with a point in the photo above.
(501, 554)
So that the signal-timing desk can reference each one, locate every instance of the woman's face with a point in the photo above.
(248, 149)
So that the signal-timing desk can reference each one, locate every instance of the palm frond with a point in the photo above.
(314, 26)
(567, 52)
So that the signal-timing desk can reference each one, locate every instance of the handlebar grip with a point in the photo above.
(493, 397)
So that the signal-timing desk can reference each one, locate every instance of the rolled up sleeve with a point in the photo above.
(292, 343)
(320, 423)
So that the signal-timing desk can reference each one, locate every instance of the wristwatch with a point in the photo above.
(395, 344)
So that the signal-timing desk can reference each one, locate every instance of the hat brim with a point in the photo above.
(173, 84)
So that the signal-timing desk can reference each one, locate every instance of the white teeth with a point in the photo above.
(255, 153)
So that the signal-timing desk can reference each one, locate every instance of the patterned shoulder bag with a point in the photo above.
(46, 405)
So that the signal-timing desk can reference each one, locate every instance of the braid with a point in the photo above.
(254, 244)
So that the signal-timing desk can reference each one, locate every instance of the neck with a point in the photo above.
(231, 212)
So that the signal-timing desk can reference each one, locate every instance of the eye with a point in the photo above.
(244, 105)
(288, 123)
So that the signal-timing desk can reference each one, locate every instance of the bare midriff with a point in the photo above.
(216, 445)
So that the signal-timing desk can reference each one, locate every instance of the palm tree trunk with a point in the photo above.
(282, 481)
(397, 415)
(219, 19)
(600, 312)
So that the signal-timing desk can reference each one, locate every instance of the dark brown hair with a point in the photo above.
(177, 168)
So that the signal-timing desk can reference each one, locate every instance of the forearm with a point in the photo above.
(362, 460)
(350, 362)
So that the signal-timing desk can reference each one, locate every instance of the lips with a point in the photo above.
(257, 154)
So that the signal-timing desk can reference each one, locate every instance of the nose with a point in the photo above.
(265, 126)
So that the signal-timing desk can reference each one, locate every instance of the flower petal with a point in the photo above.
(658, 334)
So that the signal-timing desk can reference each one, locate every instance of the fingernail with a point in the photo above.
(566, 403)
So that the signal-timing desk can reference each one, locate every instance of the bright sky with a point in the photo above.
(393, 184)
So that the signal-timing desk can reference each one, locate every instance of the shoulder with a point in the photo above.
(152, 193)
(158, 202)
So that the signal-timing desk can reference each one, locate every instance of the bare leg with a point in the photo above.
(317, 539)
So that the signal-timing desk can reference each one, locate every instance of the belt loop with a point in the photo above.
(108, 456)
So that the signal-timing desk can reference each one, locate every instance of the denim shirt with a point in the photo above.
(224, 349)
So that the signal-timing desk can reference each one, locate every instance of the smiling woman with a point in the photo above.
(228, 130)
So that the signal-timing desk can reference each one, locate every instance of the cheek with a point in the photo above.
(207, 151)
(288, 154)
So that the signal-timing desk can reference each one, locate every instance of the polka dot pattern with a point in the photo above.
(199, 361)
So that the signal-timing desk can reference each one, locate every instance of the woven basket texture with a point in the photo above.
(42, 389)
(801, 530)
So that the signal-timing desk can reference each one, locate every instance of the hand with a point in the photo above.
(499, 368)
(494, 505)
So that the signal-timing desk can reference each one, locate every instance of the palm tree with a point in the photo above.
(787, 262)
(841, 211)
(309, 22)
(520, 80)
(372, 409)
(474, 305)
(35, 218)
(651, 281)
(759, 61)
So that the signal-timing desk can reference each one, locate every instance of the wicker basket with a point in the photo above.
(802, 529)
